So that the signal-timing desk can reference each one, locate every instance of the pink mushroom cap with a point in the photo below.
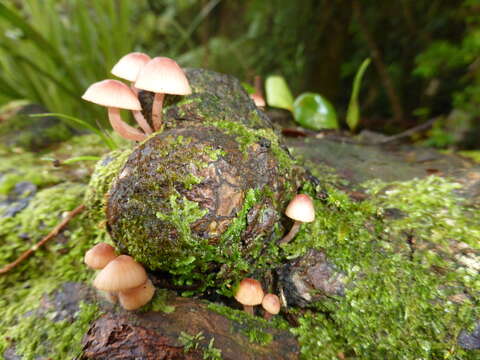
(163, 75)
(129, 65)
(301, 209)
(113, 94)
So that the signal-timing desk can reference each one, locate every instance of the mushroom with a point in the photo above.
(122, 273)
(115, 95)
(99, 256)
(271, 305)
(132, 299)
(127, 68)
(301, 210)
(258, 100)
(257, 96)
(162, 76)
(129, 65)
(249, 293)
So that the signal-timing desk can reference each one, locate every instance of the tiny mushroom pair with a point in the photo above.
(250, 293)
(160, 75)
(120, 276)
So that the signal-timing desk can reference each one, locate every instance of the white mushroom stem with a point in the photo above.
(267, 315)
(137, 114)
(122, 127)
(157, 111)
(291, 234)
(248, 309)
(140, 119)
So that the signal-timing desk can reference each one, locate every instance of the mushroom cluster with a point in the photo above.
(249, 293)
(121, 277)
(160, 75)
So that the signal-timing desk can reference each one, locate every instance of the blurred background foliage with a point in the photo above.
(425, 54)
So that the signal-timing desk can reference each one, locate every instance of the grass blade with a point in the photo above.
(353, 111)
(79, 122)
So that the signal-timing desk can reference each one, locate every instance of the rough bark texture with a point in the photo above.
(163, 169)
(154, 335)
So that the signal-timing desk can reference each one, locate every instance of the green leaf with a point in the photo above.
(313, 111)
(278, 93)
(353, 111)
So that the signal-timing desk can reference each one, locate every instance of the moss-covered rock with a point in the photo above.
(193, 200)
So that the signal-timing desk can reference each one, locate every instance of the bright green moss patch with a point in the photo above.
(403, 279)
(23, 167)
(246, 137)
(61, 260)
(105, 172)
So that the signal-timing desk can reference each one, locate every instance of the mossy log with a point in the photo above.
(389, 268)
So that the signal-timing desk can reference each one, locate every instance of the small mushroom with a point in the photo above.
(271, 305)
(129, 65)
(115, 95)
(128, 68)
(122, 273)
(249, 293)
(258, 100)
(301, 210)
(99, 256)
(135, 298)
(162, 75)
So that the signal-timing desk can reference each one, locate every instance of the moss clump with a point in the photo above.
(400, 300)
(30, 333)
(20, 167)
(246, 137)
(105, 172)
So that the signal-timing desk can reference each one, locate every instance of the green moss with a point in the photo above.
(105, 172)
(399, 299)
(23, 167)
(255, 328)
(159, 302)
(195, 342)
(246, 137)
(58, 339)
(57, 262)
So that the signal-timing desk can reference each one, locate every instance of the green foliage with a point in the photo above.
(353, 110)
(194, 342)
(313, 111)
(310, 110)
(278, 93)
(52, 50)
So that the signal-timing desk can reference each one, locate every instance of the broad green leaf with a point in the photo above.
(313, 111)
(278, 93)
(353, 111)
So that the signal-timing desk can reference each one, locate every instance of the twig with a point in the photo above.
(51, 235)
(408, 132)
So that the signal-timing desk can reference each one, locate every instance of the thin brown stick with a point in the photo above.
(51, 235)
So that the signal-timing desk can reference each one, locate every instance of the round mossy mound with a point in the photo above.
(196, 200)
